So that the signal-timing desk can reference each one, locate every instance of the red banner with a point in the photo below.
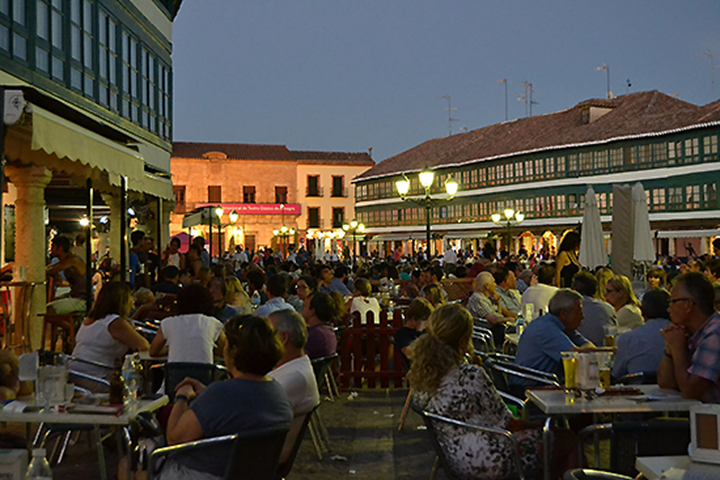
(256, 208)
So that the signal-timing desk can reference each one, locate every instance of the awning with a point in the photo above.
(462, 235)
(354, 238)
(149, 184)
(686, 233)
(400, 237)
(55, 135)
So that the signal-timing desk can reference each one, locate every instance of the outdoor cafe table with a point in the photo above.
(97, 420)
(555, 402)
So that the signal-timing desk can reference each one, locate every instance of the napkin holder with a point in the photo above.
(587, 371)
(705, 433)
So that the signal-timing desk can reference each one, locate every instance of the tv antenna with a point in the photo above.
(527, 97)
(710, 55)
(504, 81)
(449, 110)
(606, 67)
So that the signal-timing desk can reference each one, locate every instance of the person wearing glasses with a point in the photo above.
(691, 362)
(619, 294)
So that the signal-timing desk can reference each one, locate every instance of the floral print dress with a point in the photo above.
(467, 394)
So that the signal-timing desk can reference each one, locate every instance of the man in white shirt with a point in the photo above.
(294, 371)
(276, 289)
(539, 295)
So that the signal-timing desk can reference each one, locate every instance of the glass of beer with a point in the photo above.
(604, 367)
(569, 364)
(610, 332)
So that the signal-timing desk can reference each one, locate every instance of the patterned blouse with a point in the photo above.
(467, 394)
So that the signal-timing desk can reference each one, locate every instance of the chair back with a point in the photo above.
(176, 372)
(652, 438)
(437, 436)
(586, 474)
(255, 455)
(321, 366)
(293, 441)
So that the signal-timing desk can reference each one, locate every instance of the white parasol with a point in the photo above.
(592, 243)
(643, 248)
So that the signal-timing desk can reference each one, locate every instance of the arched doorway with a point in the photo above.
(527, 241)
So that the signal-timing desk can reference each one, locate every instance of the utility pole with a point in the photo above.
(449, 110)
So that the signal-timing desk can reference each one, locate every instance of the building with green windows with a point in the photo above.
(541, 166)
(87, 86)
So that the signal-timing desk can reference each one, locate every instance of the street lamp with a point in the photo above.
(234, 216)
(427, 178)
(510, 217)
(355, 227)
(282, 233)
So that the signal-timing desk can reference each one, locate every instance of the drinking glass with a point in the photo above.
(569, 365)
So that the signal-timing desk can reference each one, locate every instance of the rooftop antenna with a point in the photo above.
(531, 101)
(449, 110)
(710, 55)
(504, 81)
(526, 97)
(606, 67)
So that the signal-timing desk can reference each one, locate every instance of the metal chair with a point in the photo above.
(285, 467)
(436, 436)
(176, 372)
(628, 440)
(587, 474)
(322, 367)
(254, 454)
(500, 372)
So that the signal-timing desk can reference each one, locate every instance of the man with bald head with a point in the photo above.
(692, 342)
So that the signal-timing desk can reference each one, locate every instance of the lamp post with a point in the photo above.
(355, 227)
(282, 233)
(510, 217)
(427, 177)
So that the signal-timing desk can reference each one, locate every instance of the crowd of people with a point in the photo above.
(283, 311)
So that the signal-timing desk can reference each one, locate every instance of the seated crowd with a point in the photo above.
(268, 317)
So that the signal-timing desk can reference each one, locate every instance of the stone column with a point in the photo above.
(113, 201)
(30, 183)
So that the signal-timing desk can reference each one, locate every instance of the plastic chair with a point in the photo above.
(285, 467)
(176, 372)
(587, 474)
(436, 436)
(254, 455)
(59, 324)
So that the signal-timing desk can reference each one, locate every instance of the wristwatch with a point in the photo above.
(182, 397)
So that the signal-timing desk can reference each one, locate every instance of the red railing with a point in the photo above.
(366, 351)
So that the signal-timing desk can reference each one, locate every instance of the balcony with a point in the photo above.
(339, 192)
(314, 192)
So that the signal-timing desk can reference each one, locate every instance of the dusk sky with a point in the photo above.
(346, 75)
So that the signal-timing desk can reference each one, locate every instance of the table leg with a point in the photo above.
(101, 453)
(546, 448)
(129, 446)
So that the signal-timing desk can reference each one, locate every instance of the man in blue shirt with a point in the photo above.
(330, 283)
(546, 337)
(641, 350)
(276, 290)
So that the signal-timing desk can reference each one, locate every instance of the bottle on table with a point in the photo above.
(39, 468)
(117, 385)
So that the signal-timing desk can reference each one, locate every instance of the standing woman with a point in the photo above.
(444, 384)
(619, 294)
(567, 264)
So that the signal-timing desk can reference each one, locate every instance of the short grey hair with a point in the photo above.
(482, 280)
(564, 300)
(292, 323)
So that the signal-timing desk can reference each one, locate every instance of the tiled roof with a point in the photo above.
(636, 114)
(233, 151)
(358, 158)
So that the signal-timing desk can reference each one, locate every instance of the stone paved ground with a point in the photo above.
(364, 439)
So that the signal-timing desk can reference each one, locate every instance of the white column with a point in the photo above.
(671, 246)
(30, 183)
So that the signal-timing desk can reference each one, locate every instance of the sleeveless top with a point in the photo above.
(568, 271)
(94, 342)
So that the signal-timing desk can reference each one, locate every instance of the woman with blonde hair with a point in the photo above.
(603, 274)
(431, 292)
(619, 294)
(236, 296)
(444, 384)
